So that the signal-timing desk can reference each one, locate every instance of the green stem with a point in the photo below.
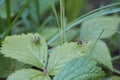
(88, 16)
(82, 19)
(55, 13)
(64, 21)
(8, 11)
(1, 25)
(104, 7)
(95, 42)
(61, 21)
(37, 9)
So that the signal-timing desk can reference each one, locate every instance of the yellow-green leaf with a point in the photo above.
(92, 28)
(28, 74)
(62, 54)
(80, 69)
(26, 48)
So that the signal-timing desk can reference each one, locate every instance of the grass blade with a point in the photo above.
(55, 12)
(81, 19)
(8, 11)
(15, 20)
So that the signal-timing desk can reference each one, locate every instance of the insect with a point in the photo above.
(36, 39)
(81, 42)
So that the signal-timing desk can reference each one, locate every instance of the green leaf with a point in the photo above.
(95, 13)
(51, 31)
(69, 36)
(101, 54)
(80, 69)
(115, 77)
(115, 40)
(62, 54)
(9, 65)
(28, 74)
(91, 29)
(5, 64)
(24, 48)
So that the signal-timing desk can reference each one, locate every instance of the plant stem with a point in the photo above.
(8, 11)
(55, 12)
(95, 13)
(61, 21)
(82, 19)
(95, 42)
(37, 9)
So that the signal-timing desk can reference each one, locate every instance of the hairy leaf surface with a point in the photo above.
(28, 74)
(62, 54)
(80, 69)
(25, 48)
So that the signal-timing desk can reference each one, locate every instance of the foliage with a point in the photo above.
(28, 74)
(37, 55)
(62, 54)
(86, 70)
(52, 40)
(93, 27)
(9, 65)
(115, 77)
(32, 49)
